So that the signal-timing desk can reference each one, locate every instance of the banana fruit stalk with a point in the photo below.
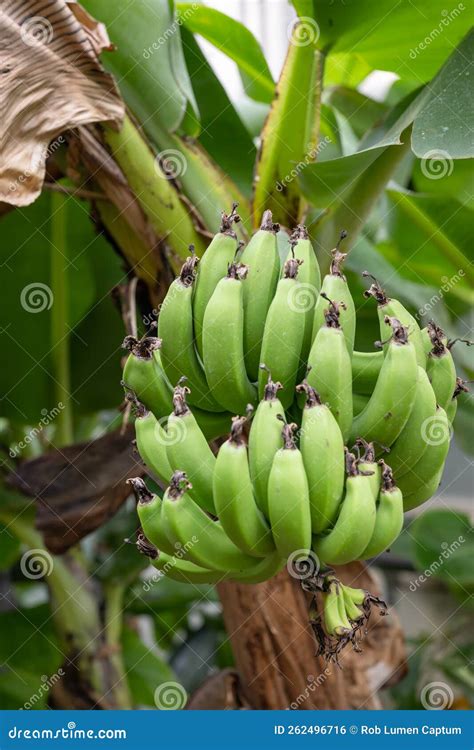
(298, 477)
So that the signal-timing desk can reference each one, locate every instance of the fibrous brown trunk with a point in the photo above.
(274, 648)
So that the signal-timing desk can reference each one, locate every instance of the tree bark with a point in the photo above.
(274, 648)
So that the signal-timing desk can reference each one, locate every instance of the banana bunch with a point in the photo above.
(326, 446)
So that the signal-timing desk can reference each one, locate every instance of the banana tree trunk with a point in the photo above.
(274, 648)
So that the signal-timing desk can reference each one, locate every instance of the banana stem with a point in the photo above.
(59, 318)
(113, 597)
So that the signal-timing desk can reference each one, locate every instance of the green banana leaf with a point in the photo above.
(224, 134)
(234, 40)
(148, 62)
(413, 42)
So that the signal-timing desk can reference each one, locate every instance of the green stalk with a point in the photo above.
(113, 596)
(170, 218)
(284, 146)
(59, 317)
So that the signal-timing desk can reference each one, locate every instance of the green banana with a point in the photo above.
(283, 335)
(212, 268)
(144, 376)
(392, 308)
(440, 367)
(368, 465)
(425, 335)
(424, 491)
(329, 366)
(149, 509)
(223, 346)
(234, 499)
(175, 328)
(436, 433)
(184, 571)
(335, 287)
(355, 523)
(261, 570)
(264, 441)
(187, 449)
(335, 621)
(359, 402)
(204, 540)
(151, 439)
(353, 611)
(388, 517)
(365, 371)
(322, 448)
(461, 387)
(309, 283)
(288, 498)
(262, 259)
(409, 447)
(392, 400)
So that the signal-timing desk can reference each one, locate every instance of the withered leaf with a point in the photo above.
(51, 80)
(78, 487)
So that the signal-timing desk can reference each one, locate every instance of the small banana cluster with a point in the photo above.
(263, 352)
